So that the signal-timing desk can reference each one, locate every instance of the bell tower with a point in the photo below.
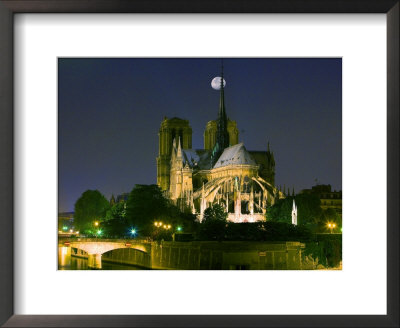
(170, 129)
(210, 134)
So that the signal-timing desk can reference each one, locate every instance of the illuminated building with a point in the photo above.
(224, 172)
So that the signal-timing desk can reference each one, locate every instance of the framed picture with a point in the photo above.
(328, 63)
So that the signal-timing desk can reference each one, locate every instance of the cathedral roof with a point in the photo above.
(199, 158)
(205, 159)
(190, 157)
(235, 155)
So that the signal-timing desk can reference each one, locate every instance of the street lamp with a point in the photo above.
(96, 224)
(331, 226)
(133, 232)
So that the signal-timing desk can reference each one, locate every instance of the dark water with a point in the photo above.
(68, 262)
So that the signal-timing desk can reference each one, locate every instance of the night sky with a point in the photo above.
(110, 110)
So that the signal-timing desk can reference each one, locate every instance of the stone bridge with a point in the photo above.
(95, 247)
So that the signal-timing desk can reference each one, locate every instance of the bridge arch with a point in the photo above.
(95, 248)
(101, 246)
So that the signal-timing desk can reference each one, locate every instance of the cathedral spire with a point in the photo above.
(222, 141)
(222, 112)
(173, 150)
(179, 151)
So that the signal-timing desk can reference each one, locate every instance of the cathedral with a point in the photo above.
(224, 172)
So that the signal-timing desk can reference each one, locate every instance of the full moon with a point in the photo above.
(216, 83)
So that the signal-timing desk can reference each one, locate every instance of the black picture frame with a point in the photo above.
(10, 7)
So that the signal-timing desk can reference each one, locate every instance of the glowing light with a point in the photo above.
(169, 226)
(96, 223)
(329, 225)
(65, 228)
(77, 232)
(179, 228)
(71, 230)
(133, 231)
(156, 224)
(334, 225)
(99, 232)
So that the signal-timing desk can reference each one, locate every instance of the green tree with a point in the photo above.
(308, 210)
(281, 211)
(116, 228)
(186, 220)
(116, 211)
(174, 217)
(214, 223)
(215, 212)
(331, 215)
(145, 205)
(90, 207)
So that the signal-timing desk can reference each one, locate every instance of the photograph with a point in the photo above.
(199, 163)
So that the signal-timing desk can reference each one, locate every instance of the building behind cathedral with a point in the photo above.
(224, 172)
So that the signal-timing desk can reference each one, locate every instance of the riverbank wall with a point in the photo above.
(216, 256)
